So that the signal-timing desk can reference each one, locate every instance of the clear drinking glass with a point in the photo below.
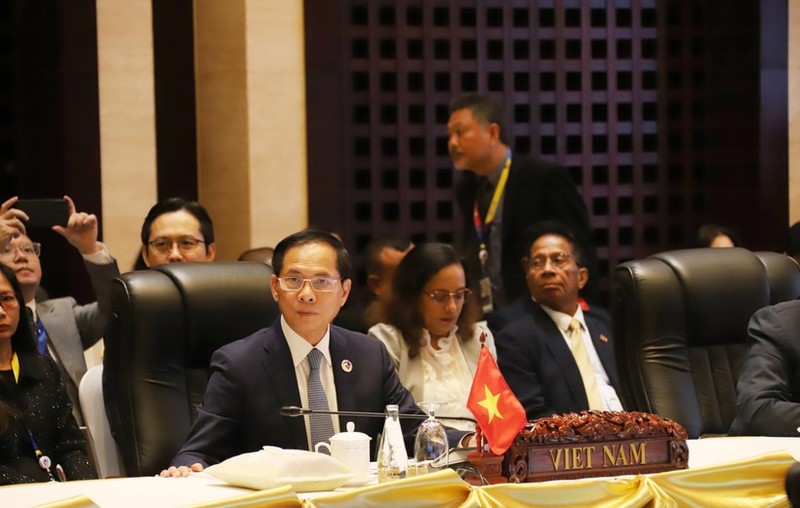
(430, 447)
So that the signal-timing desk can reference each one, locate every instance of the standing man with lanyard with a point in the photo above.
(500, 195)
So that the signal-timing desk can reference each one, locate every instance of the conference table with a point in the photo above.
(723, 471)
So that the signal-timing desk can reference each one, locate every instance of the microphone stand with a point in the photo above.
(300, 411)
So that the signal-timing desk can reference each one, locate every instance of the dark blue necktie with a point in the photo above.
(37, 328)
(41, 337)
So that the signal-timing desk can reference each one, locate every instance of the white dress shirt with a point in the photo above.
(299, 348)
(611, 401)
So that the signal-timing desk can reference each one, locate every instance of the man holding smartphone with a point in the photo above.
(63, 327)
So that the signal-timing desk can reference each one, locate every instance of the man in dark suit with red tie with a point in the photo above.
(298, 360)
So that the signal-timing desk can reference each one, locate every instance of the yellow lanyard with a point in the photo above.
(15, 366)
(482, 227)
(498, 193)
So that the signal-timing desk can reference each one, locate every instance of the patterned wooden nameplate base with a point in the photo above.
(596, 443)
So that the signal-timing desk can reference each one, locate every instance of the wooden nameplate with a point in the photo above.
(596, 443)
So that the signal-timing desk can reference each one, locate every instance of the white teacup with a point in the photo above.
(351, 449)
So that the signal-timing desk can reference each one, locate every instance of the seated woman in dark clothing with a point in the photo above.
(36, 422)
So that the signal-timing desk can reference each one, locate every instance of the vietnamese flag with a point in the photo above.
(498, 412)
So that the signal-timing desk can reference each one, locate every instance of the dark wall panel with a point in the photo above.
(173, 61)
(50, 134)
(653, 108)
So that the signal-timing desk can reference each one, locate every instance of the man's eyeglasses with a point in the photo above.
(318, 284)
(29, 249)
(185, 244)
(9, 301)
(559, 260)
(442, 296)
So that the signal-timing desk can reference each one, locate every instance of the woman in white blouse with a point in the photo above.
(431, 330)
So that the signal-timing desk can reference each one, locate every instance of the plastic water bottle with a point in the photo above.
(392, 455)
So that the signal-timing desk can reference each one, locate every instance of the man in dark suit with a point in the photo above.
(557, 357)
(251, 379)
(503, 317)
(534, 190)
(768, 389)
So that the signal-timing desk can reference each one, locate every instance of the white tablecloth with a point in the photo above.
(151, 492)
(719, 450)
(144, 492)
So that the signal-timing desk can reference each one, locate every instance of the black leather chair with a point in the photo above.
(680, 324)
(166, 323)
(782, 270)
(793, 484)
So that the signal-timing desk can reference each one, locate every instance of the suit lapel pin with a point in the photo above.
(347, 365)
(603, 338)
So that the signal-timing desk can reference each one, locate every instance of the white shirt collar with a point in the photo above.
(32, 305)
(562, 320)
(299, 347)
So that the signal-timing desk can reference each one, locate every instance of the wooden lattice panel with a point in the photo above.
(604, 88)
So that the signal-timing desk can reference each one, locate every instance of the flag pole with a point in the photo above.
(478, 431)
(489, 464)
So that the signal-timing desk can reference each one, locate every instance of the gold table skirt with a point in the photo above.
(751, 482)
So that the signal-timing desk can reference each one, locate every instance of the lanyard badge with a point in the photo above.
(44, 461)
(482, 230)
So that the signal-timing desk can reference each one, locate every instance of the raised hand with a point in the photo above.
(12, 222)
(81, 230)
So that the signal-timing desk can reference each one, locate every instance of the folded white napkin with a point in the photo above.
(273, 467)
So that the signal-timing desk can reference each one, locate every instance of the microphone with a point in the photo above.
(300, 411)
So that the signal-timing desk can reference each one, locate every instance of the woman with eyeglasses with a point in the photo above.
(39, 439)
(431, 330)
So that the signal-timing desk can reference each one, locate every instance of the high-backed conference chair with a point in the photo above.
(680, 325)
(166, 323)
(782, 274)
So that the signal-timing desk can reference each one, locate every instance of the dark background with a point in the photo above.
(668, 114)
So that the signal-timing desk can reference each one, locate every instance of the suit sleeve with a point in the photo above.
(92, 319)
(517, 362)
(767, 399)
(211, 438)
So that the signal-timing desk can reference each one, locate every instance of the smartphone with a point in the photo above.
(44, 213)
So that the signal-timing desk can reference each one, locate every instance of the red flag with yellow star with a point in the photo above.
(497, 410)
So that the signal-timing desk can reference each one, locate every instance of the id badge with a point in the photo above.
(483, 256)
(485, 286)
